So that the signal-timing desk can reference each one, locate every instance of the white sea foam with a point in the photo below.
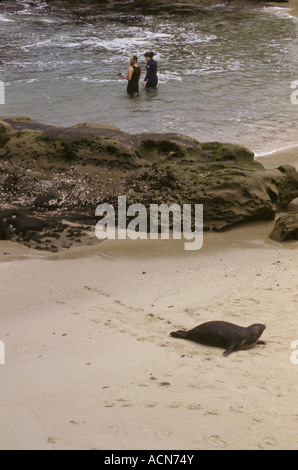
(97, 80)
(169, 76)
(31, 6)
(5, 19)
(281, 12)
(29, 80)
(286, 148)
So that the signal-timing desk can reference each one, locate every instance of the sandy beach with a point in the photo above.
(86, 357)
(89, 363)
(293, 7)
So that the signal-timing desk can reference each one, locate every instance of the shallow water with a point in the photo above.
(224, 74)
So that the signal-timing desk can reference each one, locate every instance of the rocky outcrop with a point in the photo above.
(42, 232)
(286, 228)
(65, 173)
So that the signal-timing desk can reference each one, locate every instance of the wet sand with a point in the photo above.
(287, 155)
(293, 6)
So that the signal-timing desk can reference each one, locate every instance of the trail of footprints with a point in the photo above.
(115, 317)
(118, 320)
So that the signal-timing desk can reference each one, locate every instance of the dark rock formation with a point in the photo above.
(40, 232)
(58, 173)
(286, 228)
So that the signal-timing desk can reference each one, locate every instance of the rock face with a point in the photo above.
(286, 228)
(41, 232)
(56, 172)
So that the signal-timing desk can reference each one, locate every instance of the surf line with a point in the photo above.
(157, 220)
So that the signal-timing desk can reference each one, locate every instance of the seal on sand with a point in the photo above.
(223, 334)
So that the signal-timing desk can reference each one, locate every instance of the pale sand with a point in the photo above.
(90, 363)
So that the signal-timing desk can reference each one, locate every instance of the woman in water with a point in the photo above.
(151, 78)
(133, 77)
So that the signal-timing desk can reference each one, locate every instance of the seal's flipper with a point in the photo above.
(228, 351)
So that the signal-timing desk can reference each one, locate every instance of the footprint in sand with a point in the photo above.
(119, 402)
(94, 289)
(119, 303)
(216, 440)
(151, 404)
(175, 404)
(268, 441)
(194, 385)
(237, 409)
(109, 404)
(211, 412)
(124, 403)
(194, 406)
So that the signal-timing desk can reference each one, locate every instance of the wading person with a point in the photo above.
(151, 78)
(133, 77)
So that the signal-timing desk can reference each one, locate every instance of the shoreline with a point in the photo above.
(293, 4)
(285, 155)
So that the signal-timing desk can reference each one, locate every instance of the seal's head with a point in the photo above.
(256, 330)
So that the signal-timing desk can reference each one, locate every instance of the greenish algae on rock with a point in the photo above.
(88, 164)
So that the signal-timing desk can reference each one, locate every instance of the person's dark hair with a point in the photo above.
(149, 54)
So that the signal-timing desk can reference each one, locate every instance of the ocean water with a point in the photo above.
(225, 74)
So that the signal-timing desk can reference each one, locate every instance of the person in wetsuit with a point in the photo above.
(151, 78)
(133, 77)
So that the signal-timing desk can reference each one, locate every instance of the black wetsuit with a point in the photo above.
(133, 83)
(151, 78)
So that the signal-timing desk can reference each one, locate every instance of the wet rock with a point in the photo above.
(48, 201)
(56, 147)
(286, 228)
(42, 232)
(225, 178)
(54, 171)
(14, 223)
